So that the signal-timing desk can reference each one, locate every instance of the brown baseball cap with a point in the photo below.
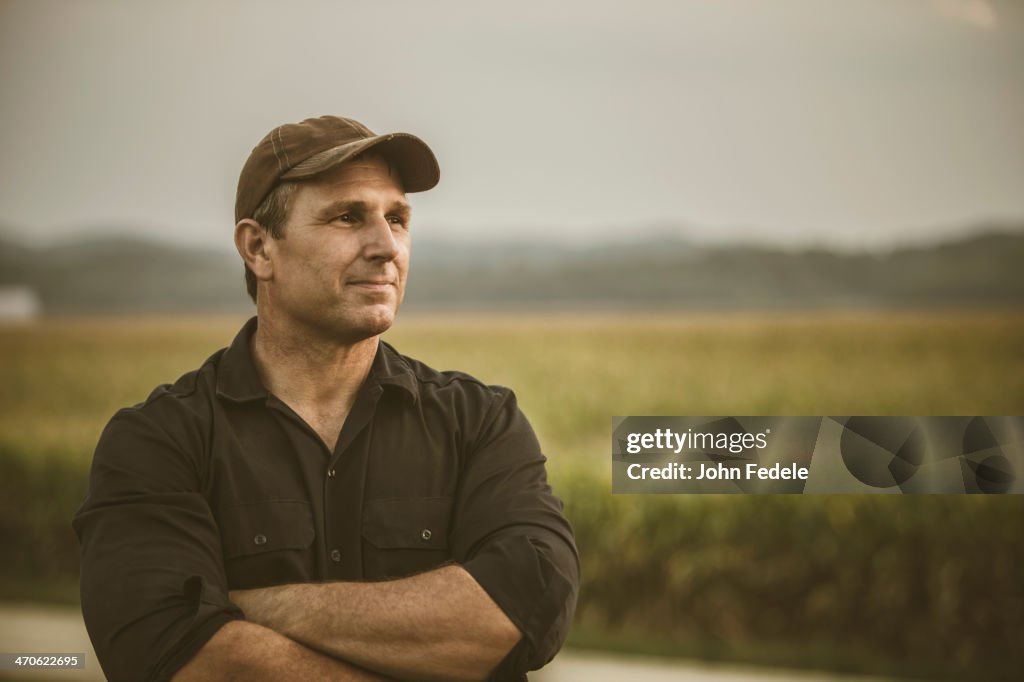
(301, 150)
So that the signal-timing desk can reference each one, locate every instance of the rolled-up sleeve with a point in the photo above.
(510, 534)
(153, 585)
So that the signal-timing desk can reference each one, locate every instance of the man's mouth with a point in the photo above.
(372, 284)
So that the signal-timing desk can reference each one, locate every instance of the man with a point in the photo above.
(310, 504)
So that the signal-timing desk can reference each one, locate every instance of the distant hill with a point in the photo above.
(113, 275)
(986, 269)
(120, 275)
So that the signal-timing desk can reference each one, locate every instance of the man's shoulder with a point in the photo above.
(459, 401)
(430, 381)
(189, 395)
(170, 426)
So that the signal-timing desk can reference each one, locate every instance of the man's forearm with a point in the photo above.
(436, 625)
(248, 652)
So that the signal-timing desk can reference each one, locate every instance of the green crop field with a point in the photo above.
(61, 380)
(915, 585)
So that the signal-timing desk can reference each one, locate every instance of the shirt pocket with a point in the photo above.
(268, 543)
(405, 536)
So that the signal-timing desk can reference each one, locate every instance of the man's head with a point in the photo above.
(344, 271)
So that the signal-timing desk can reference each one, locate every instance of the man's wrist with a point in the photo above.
(266, 606)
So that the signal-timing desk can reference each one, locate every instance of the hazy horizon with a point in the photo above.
(680, 234)
(658, 235)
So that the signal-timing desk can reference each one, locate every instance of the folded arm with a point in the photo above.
(250, 653)
(436, 625)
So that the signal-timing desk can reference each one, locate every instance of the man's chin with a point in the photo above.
(381, 317)
(348, 324)
(372, 322)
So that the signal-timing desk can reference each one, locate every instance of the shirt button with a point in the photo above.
(331, 473)
(335, 556)
(260, 539)
(426, 534)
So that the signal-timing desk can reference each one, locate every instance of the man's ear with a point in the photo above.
(252, 240)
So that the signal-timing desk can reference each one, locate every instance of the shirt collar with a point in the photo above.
(391, 368)
(237, 378)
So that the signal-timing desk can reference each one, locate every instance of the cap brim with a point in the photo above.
(414, 160)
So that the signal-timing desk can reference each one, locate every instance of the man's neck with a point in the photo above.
(309, 372)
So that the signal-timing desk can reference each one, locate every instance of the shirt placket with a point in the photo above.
(344, 482)
(340, 477)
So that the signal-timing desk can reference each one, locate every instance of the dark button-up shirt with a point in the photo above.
(215, 484)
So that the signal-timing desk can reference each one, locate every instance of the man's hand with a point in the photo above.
(438, 625)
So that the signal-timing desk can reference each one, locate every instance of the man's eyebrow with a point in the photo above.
(401, 208)
(342, 206)
(334, 208)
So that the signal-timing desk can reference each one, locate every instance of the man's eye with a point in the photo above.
(344, 217)
(396, 220)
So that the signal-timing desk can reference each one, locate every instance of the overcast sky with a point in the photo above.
(855, 123)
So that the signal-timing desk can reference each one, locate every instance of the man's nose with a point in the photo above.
(381, 242)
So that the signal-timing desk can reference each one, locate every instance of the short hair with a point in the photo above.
(272, 213)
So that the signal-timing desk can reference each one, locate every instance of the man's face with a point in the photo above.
(342, 264)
